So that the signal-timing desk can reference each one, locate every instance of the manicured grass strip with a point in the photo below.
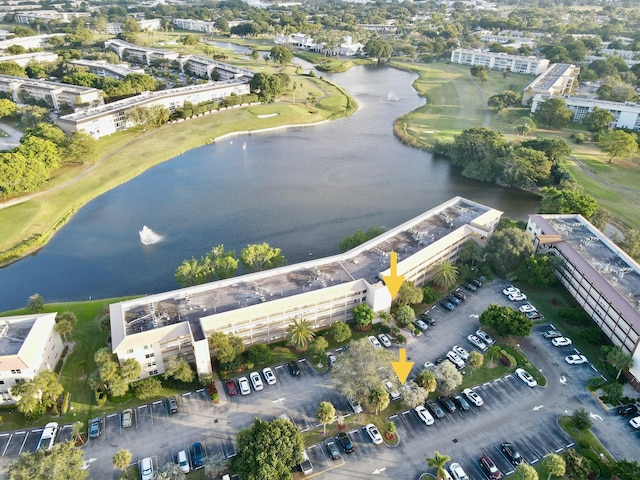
(588, 445)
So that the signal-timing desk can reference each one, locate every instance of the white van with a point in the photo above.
(48, 436)
(183, 462)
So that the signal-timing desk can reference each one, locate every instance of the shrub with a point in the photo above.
(429, 295)
(147, 388)
(37, 413)
(593, 336)
(101, 398)
(595, 383)
(580, 419)
(64, 405)
(401, 339)
(614, 392)
(574, 316)
(507, 359)
(259, 353)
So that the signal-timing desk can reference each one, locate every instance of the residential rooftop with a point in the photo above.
(13, 333)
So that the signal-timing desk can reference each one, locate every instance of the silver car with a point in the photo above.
(455, 359)
(476, 342)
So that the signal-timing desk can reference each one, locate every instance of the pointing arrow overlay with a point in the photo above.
(402, 367)
(394, 280)
(537, 407)
(379, 470)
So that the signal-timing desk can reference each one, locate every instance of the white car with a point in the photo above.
(526, 377)
(476, 342)
(462, 353)
(146, 469)
(394, 393)
(420, 325)
(510, 290)
(527, 307)
(485, 337)
(331, 358)
(517, 297)
(424, 415)
(48, 436)
(635, 422)
(473, 397)
(561, 342)
(373, 433)
(183, 462)
(455, 359)
(243, 383)
(576, 359)
(429, 366)
(384, 340)
(457, 472)
(256, 381)
(269, 376)
(374, 341)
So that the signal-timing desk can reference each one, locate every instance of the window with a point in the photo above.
(1, 382)
(16, 371)
(152, 364)
(153, 372)
(150, 355)
(130, 350)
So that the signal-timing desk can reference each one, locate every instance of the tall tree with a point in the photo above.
(598, 120)
(35, 303)
(554, 465)
(378, 398)
(299, 334)
(618, 359)
(480, 73)
(627, 470)
(80, 148)
(122, 459)
(508, 247)
(7, 107)
(577, 466)
(178, 368)
(227, 347)
(409, 294)
(427, 380)
(553, 113)
(378, 48)
(62, 462)
(340, 331)
(438, 461)
(281, 54)
(445, 274)
(325, 414)
(476, 359)
(525, 472)
(567, 201)
(506, 321)
(65, 322)
(257, 257)
(448, 376)
(363, 314)
(619, 144)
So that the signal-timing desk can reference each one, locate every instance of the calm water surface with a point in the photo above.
(302, 190)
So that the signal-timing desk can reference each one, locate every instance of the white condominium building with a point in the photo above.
(258, 307)
(558, 79)
(141, 54)
(499, 61)
(103, 68)
(194, 25)
(601, 277)
(56, 94)
(24, 59)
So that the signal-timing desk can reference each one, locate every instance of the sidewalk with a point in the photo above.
(13, 140)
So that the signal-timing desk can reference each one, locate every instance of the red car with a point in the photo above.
(231, 387)
(490, 468)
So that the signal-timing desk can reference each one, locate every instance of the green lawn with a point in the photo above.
(588, 445)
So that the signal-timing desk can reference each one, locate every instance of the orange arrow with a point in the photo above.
(402, 367)
(393, 281)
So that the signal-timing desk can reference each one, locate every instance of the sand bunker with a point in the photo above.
(268, 115)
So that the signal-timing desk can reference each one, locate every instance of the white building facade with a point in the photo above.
(557, 79)
(499, 61)
(56, 94)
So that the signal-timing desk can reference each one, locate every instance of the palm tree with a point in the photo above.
(299, 334)
(494, 351)
(445, 274)
(379, 398)
(439, 461)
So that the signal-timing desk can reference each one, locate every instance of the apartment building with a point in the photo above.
(24, 59)
(149, 25)
(110, 118)
(103, 68)
(57, 95)
(499, 61)
(194, 25)
(557, 79)
(206, 67)
(29, 344)
(48, 15)
(258, 307)
(140, 54)
(601, 277)
(35, 41)
(625, 114)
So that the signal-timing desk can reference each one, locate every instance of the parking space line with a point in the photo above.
(112, 415)
(23, 442)
(7, 445)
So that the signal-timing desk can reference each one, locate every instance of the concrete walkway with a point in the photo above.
(13, 140)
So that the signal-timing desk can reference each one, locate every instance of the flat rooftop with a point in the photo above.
(617, 270)
(190, 304)
(13, 334)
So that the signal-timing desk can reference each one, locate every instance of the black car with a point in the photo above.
(332, 449)
(476, 282)
(512, 454)
(172, 405)
(447, 403)
(345, 441)
(430, 320)
(197, 455)
(459, 294)
(629, 409)
(435, 408)
(460, 401)
(470, 286)
(293, 368)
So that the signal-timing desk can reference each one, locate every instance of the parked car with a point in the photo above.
(293, 368)
(476, 342)
(517, 297)
(256, 381)
(384, 340)
(269, 376)
(552, 334)
(95, 428)
(457, 472)
(473, 397)
(183, 461)
(510, 290)
(172, 405)
(435, 408)
(127, 418)
(331, 358)
(453, 299)
(526, 377)
(635, 422)
(575, 359)
(485, 337)
(429, 366)
(561, 342)
(424, 415)
(427, 319)
(628, 409)
(332, 449)
(48, 436)
(459, 294)
(447, 403)
(420, 325)
(197, 455)
(447, 305)
(512, 454)
(533, 315)
(462, 353)
(146, 469)
(373, 433)
(527, 307)
(490, 468)
(354, 404)
(394, 393)
(230, 385)
(454, 358)
(476, 281)
(374, 341)
(305, 465)
(243, 383)
(460, 401)
(346, 443)
(470, 286)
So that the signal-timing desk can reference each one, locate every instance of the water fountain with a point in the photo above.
(148, 236)
(392, 97)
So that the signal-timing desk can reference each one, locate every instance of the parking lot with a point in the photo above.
(512, 412)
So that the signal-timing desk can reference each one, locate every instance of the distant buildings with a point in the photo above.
(126, 50)
(557, 79)
(499, 61)
(145, 25)
(346, 48)
(258, 307)
(103, 68)
(601, 278)
(194, 25)
(29, 344)
(48, 15)
(35, 41)
(24, 59)
(55, 94)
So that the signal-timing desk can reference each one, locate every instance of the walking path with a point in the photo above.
(13, 140)
(592, 173)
